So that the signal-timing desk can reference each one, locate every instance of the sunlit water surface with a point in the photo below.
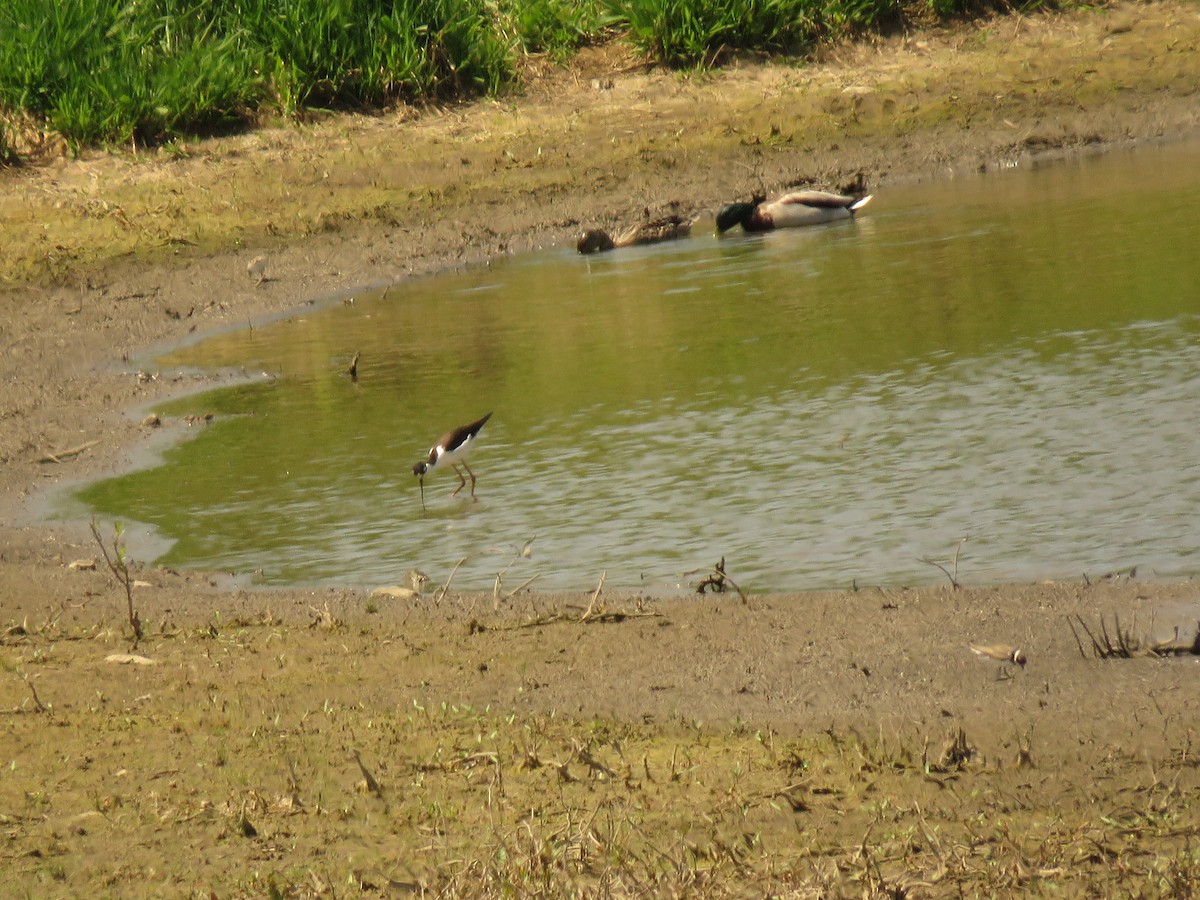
(1012, 359)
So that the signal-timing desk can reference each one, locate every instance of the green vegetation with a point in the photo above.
(8, 153)
(105, 70)
(690, 32)
(363, 52)
(148, 71)
(97, 70)
(559, 27)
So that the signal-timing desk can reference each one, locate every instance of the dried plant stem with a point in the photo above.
(1121, 644)
(951, 573)
(1078, 642)
(525, 551)
(441, 592)
(524, 584)
(66, 454)
(716, 579)
(120, 570)
(37, 701)
(590, 611)
(372, 785)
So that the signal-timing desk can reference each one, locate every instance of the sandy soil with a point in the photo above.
(827, 744)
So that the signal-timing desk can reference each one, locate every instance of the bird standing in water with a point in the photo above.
(451, 448)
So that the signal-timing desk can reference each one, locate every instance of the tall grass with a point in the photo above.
(691, 32)
(367, 52)
(105, 70)
(113, 71)
(699, 32)
(558, 27)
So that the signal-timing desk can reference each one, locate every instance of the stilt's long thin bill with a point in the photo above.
(421, 482)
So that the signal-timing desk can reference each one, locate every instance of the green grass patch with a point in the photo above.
(101, 70)
(697, 32)
(700, 33)
(151, 71)
(108, 71)
(559, 27)
(351, 53)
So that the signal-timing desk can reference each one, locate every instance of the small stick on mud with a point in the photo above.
(294, 785)
(37, 701)
(440, 594)
(67, 454)
(120, 571)
(952, 574)
(372, 785)
(716, 580)
(1123, 646)
(525, 551)
(1078, 642)
(591, 608)
(584, 755)
(520, 587)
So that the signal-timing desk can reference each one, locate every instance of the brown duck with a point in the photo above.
(650, 231)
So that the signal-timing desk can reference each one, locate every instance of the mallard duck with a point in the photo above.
(651, 231)
(791, 210)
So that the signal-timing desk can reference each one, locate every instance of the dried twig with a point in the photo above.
(525, 551)
(372, 785)
(524, 584)
(1078, 642)
(1121, 644)
(590, 611)
(66, 454)
(951, 573)
(440, 594)
(603, 616)
(120, 570)
(716, 580)
(37, 701)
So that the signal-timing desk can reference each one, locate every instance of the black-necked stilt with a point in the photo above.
(450, 448)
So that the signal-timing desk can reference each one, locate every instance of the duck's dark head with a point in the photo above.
(734, 214)
(595, 241)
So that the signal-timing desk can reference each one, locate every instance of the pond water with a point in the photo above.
(1012, 359)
